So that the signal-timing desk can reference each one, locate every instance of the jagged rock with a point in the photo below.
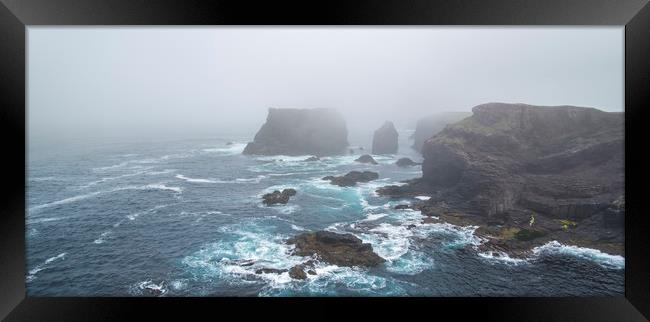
(402, 207)
(300, 131)
(297, 272)
(431, 125)
(366, 158)
(384, 140)
(337, 249)
(352, 177)
(276, 196)
(312, 158)
(406, 162)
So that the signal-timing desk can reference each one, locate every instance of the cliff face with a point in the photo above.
(431, 125)
(299, 132)
(561, 161)
(384, 141)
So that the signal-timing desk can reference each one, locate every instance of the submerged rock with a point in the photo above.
(269, 271)
(229, 143)
(300, 131)
(276, 197)
(352, 177)
(384, 141)
(337, 249)
(366, 158)
(312, 158)
(406, 162)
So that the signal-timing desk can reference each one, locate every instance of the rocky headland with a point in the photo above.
(290, 131)
(527, 175)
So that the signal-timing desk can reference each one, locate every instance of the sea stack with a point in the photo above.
(290, 131)
(385, 139)
(431, 125)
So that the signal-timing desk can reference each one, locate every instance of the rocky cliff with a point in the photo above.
(384, 141)
(300, 132)
(432, 124)
(563, 161)
(508, 163)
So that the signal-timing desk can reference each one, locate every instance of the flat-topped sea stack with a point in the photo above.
(290, 131)
(431, 125)
(384, 141)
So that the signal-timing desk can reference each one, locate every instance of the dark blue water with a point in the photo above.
(128, 219)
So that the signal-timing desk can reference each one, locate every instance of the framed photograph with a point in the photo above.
(172, 156)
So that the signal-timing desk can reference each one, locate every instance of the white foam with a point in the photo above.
(232, 149)
(158, 186)
(498, 256)
(603, 259)
(154, 173)
(373, 217)
(154, 186)
(102, 237)
(411, 263)
(389, 241)
(197, 180)
(152, 288)
(65, 201)
(424, 198)
(44, 265)
(43, 220)
(106, 179)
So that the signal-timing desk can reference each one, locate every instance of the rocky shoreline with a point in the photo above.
(526, 175)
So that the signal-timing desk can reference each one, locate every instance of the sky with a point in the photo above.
(146, 82)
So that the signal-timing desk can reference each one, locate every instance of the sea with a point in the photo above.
(184, 217)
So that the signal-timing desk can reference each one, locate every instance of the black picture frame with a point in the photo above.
(16, 15)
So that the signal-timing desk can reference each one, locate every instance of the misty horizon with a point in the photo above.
(167, 82)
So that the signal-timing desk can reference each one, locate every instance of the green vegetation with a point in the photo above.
(566, 224)
(529, 234)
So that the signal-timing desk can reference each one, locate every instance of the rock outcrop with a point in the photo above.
(366, 158)
(432, 124)
(334, 248)
(276, 197)
(406, 162)
(384, 141)
(300, 131)
(508, 163)
(561, 161)
(351, 178)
